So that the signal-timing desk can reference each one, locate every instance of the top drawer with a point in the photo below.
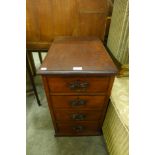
(78, 84)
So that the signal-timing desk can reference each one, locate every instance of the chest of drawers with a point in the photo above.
(77, 75)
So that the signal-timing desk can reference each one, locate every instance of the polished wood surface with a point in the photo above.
(65, 102)
(47, 19)
(62, 84)
(86, 52)
(78, 129)
(77, 115)
(77, 102)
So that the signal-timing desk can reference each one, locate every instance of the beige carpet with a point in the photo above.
(40, 133)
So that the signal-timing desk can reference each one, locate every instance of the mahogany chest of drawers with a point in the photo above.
(78, 74)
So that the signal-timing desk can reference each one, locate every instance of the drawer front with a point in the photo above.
(78, 128)
(78, 84)
(78, 102)
(77, 115)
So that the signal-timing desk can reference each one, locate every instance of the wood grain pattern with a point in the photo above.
(46, 88)
(61, 85)
(91, 24)
(67, 115)
(47, 19)
(90, 5)
(87, 52)
(90, 91)
(107, 100)
(91, 102)
(69, 129)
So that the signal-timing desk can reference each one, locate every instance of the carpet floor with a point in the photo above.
(40, 138)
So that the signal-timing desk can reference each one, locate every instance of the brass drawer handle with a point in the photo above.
(78, 117)
(78, 128)
(77, 102)
(76, 85)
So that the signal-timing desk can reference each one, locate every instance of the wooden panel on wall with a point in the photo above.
(93, 5)
(32, 23)
(91, 24)
(46, 19)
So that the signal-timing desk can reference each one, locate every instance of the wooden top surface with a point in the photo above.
(77, 55)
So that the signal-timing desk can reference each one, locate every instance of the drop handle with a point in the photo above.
(75, 85)
(78, 117)
(77, 102)
(78, 128)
